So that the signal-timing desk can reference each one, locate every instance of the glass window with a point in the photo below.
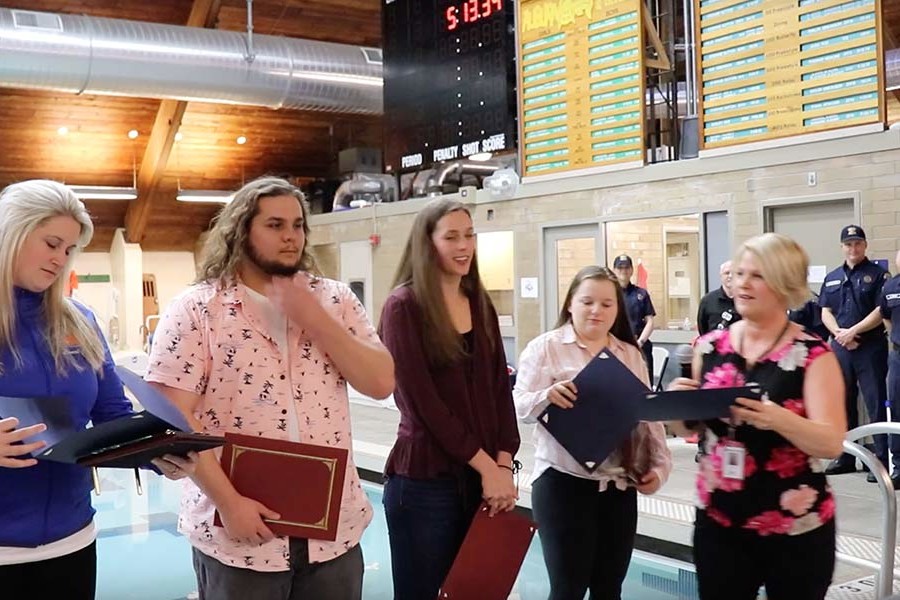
(666, 256)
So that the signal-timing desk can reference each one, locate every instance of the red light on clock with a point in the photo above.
(470, 11)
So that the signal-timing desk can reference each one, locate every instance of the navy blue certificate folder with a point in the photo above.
(694, 405)
(604, 414)
(127, 442)
(51, 411)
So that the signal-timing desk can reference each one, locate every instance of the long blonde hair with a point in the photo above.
(226, 245)
(23, 207)
(419, 269)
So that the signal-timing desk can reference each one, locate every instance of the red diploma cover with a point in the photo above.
(491, 555)
(301, 482)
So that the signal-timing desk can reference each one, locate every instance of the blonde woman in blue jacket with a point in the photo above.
(49, 346)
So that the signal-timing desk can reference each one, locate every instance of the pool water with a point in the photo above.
(142, 556)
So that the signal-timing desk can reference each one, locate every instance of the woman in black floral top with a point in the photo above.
(765, 511)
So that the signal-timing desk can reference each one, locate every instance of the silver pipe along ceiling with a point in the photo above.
(92, 55)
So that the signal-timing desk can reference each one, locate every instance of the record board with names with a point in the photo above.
(582, 85)
(777, 68)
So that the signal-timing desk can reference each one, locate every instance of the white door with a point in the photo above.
(566, 250)
(817, 227)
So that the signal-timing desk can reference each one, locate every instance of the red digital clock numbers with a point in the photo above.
(470, 11)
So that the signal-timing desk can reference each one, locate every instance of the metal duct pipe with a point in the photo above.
(689, 65)
(351, 188)
(91, 55)
(459, 166)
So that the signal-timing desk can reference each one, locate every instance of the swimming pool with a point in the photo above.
(142, 557)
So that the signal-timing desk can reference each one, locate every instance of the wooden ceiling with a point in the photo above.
(97, 151)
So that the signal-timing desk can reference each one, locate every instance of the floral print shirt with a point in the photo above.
(784, 491)
(212, 341)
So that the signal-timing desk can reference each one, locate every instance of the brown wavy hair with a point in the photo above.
(621, 327)
(229, 236)
(420, 270)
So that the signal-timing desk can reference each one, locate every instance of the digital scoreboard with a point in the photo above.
(449, 80)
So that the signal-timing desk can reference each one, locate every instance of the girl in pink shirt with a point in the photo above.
(587, 520)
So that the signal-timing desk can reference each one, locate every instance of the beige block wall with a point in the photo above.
(875, 176)
(328, 259)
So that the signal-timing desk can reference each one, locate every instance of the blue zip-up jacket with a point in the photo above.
(50, 501)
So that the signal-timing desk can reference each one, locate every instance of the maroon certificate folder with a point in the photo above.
(491, 555)
(301, 482)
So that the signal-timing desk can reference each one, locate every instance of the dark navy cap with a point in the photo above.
(623, 261)
(852, 232)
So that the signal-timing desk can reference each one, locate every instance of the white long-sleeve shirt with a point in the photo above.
(558, 356)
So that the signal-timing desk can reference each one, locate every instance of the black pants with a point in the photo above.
(587, 535)
(865, 369)
(336, 579)
(733, 563)
(73, 577)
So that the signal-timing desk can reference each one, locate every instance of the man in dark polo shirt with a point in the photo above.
(639, 306)
(850, 299)
(890, 310)
(717, 307)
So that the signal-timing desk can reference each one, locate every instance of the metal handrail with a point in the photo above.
(884, 584)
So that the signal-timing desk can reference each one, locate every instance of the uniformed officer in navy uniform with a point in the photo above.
(717, 307)
(639, 307)
(810, 316)
(850, 299)
(890, 310)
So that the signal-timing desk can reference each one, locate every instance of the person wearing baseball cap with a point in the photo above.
(639, 308)
(850, 299)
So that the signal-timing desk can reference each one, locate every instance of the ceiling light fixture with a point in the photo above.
(62, 131)
(207, 196)
(104, 192)
(132, 135)
(241, 140)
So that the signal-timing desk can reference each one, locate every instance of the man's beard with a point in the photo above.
(271, 267)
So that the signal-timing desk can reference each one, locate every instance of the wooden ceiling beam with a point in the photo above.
(162, 137)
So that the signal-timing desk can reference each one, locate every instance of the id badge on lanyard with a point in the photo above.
(733, 455)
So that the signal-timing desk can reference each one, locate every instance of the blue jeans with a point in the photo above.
(427, 520)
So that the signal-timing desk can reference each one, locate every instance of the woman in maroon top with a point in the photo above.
(765, 510)
(457, 434)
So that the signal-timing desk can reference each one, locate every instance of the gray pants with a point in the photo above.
(337, 579)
